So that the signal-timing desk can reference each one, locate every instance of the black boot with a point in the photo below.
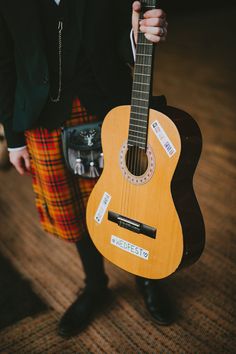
(156, 299)
(94, 296)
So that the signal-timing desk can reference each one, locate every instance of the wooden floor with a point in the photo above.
(196, 71)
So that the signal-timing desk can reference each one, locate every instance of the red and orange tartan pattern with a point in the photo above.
(61, 197)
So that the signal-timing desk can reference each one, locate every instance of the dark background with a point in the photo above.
(184, 5)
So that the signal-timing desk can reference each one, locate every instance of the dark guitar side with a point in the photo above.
(183, 194)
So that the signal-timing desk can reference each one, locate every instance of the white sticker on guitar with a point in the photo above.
(102, 207)
(129, 247)
(163, 138)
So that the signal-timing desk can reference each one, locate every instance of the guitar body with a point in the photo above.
(143, 215)
(148, 222)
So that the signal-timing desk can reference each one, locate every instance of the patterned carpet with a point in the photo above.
(196, 70)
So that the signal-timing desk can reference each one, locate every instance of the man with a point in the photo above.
(67, 62)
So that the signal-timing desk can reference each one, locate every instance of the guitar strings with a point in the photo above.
(141, 85)
(135, 161)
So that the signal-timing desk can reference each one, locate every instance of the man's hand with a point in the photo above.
(20, 160)
(154, 24)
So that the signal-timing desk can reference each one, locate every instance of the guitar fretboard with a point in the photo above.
(141, 86)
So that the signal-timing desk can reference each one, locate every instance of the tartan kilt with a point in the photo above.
(60, 196)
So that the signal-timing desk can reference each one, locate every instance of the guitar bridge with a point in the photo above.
(132, 225)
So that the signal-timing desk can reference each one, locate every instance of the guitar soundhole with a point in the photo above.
(136, 161)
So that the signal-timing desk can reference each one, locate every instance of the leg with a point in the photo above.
(93, 265)
(61, 200)
(95, 294)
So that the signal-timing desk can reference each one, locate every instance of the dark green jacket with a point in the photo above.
(24, 83)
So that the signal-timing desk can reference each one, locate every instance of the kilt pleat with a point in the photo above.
(60, 196)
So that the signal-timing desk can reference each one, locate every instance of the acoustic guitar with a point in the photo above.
(142, 214)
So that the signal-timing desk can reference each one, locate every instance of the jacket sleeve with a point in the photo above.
(124, 26)
(8, 86)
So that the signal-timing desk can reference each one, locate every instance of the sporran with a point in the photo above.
(82, 149)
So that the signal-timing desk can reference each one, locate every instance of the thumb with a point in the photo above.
(27, 163)
(26, 158)
(135, 18)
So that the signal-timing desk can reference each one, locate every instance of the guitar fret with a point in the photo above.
(145, 93)
(138, 120)
(145, 55)
(138, 137)
(137, 142)
(136, 125)
(139, 114)
(141, 83)
(137, 64)
(136, 106)
(142, 74)
(132, 130)
(147, 44)
(134, 115)
(140, 99)
(146, 81)
(142, 77)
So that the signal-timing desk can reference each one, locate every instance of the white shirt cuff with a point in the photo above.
(16, 149)
(133, 44)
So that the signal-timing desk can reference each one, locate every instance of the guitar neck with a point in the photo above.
(142, 83)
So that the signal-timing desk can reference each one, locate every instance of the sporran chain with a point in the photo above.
(60, 29)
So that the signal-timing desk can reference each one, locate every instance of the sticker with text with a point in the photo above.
(102, 207)
(163, 138)
(129, 247)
